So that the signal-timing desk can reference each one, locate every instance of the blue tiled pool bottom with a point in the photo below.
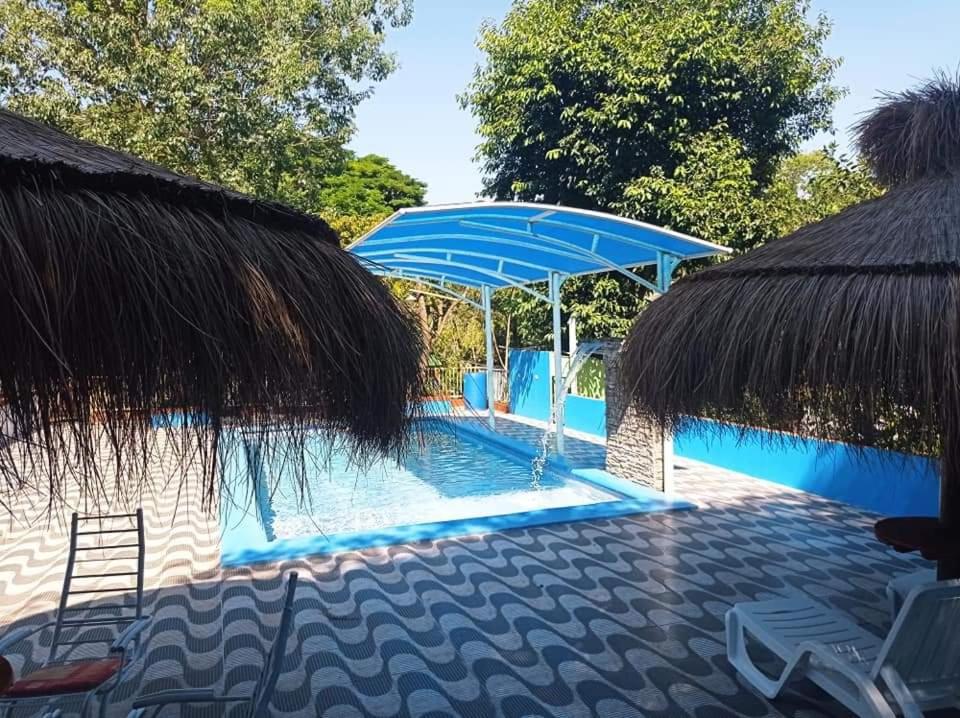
(458, 479)
(446, 476)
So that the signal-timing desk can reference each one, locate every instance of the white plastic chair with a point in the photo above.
(900, 587)
(258, 701)
(106, 553)
(917, 667)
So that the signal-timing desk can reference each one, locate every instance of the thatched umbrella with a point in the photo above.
(841, 326)
(127, 290)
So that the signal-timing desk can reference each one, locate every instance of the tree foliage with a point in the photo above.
(363, 192)
(370, 185)
(712, 193)
(351, 227)
(579, 98)
(810, 186)
(677, 112)
(253, 94)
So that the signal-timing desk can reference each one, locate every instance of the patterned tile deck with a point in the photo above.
(612, 618)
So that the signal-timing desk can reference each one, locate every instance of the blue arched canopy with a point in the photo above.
(495, 245)
(504, 244)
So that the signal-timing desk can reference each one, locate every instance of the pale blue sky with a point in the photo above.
(415, 120)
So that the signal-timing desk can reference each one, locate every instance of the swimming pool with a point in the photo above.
(458, 479)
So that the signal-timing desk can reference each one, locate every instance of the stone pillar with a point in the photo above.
(636, 448)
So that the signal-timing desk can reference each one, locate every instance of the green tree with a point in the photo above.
(362, 192)
(676, 112)
(253, 94)
(810, 186)
(370, 185)
(351, 227)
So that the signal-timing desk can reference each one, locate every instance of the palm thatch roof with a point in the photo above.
(842, 322)
(127, 290)
(842, 325)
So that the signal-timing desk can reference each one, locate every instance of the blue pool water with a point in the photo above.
(446, 476)
(458, 480)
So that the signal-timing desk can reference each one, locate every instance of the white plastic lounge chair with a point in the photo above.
(900, 587)
(916, 668)
(106, 555)
(258, 701)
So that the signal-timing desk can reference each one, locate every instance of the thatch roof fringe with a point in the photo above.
(840, 326)
(119, 303)
(914, 134)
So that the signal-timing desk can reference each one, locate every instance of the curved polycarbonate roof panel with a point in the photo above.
(503, 244)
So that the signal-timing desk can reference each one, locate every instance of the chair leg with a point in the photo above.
(901, 693)
(85, 707)
(740, 659)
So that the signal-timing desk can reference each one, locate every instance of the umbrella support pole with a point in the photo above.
(948, 568)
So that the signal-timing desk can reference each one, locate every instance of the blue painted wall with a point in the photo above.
(529, 379)
(530, 393)
(588, 415)
(882, 481)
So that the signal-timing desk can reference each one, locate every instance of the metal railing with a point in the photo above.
(446, 382)
(501, 385)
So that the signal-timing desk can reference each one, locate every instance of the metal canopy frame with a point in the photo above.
(521, 244)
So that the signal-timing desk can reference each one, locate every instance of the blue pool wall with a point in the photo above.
(885, 482)
(587, 415)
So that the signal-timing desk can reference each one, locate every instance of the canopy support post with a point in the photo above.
(666, 263)
(486, 294)
(556, 280)
(571, 352)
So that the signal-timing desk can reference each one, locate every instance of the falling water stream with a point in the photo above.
(539, 463)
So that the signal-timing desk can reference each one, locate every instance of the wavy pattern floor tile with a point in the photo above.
(617, 618)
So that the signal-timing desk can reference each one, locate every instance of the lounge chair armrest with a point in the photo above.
(129, 634)
(185, 695)
(901, 693)
(869, 693)
(14, 637)
(829, 659)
